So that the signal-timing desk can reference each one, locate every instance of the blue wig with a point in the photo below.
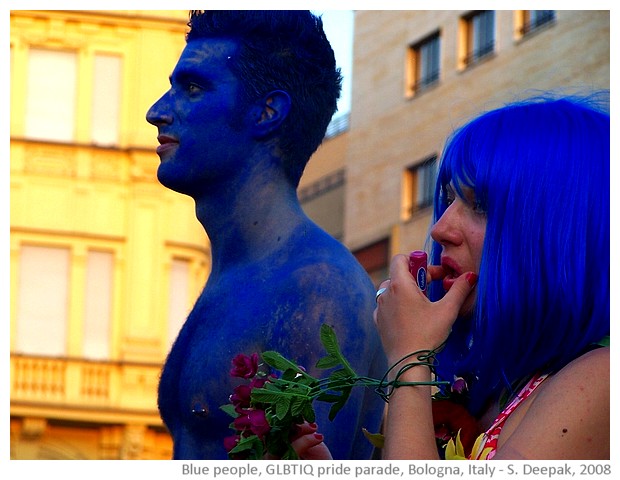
(540, 169)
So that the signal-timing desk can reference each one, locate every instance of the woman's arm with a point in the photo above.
(409, 322)
(409, 431)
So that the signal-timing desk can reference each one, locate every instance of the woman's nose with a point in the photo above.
(446, 230)
(158, 113)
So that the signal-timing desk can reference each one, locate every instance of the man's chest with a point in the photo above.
(196, 379)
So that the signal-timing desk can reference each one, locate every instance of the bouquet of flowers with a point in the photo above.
(267, 408)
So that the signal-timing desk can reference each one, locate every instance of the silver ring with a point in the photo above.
(379, 292)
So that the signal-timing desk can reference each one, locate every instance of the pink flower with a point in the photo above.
(241, 397)
(260, 382)
(449, 418)
(253, 420)
(244, 366)
(231, 442)
(442, 433)
(459, 385)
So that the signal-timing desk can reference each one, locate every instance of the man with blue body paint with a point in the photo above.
(249, 102)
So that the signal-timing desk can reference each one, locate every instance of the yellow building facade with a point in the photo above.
(105, 262)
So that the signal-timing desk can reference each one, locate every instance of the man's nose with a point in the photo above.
(159, 114)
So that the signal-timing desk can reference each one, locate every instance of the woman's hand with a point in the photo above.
(308, 443)
(408, 321)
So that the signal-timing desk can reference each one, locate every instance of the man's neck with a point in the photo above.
(250, 222)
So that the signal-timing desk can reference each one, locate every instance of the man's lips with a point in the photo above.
(166, 143)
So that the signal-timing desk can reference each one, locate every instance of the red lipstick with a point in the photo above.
(453, 271)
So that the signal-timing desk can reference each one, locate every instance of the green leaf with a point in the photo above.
(277, 361)
(307, 381)
(262, 395)
(246, 443)
(298, 405)
(376, 439)
(276, 442)
(328, 397)
(308, 413)
(290, 375)
(336, 407)
(604, 342)
(340, 376)
(229, 409)
(290, 454)
(327, 362)
(283, 406)
(330, 342)
(252, 443)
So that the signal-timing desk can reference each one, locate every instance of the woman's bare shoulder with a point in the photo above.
(568, 418)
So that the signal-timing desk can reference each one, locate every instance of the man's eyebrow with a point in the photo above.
(178, 76)
(186, 76)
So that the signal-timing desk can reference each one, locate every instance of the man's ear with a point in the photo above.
(271, 112)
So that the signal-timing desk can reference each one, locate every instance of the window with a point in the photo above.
(323, 202)
(106, 100)
(43, 302)
(51, 101)
(529, 21)
(419, 186)
(98, 304)
(375, 259)
(422, 64)
(179, 296)
(477, 36)
(52, 96)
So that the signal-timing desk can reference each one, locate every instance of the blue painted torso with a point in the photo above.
(277, 303)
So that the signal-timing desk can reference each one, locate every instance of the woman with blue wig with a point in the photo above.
(518, 305)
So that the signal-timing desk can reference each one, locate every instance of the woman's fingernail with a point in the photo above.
(313, 426)
(472, 278)
(319, 437)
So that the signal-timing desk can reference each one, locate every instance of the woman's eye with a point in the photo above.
(448, 196)
(478, 207)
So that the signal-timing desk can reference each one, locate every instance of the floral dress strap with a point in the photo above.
(486, 445)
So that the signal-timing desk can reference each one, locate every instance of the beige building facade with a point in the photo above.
(417, 75)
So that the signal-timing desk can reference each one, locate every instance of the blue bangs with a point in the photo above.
(540, 169)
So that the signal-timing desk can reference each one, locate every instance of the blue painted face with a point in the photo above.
(201, 126)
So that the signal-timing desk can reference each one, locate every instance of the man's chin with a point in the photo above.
(172, 182)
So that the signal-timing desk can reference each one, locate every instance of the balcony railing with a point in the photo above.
(480, 53)
(78, 383)
(544, 18)
(338, 125)
(426, 81)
